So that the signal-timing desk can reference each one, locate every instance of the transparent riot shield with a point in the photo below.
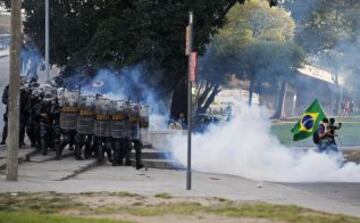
(85, 122)
(118, 120)
(70, 110)
(134, 122)
(102, 119)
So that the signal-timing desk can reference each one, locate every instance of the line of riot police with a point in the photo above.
(92, 126)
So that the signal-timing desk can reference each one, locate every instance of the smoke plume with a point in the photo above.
(31, 60)
(245, 147)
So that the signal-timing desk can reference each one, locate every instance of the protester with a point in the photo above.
(331, 134)
(320, 137)
(324, 137)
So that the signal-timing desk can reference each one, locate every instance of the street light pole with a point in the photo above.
(14, 93)
(189, 99)
(47, 50)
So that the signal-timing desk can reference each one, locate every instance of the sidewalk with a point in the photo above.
(49, 176)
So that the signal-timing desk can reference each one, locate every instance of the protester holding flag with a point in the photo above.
(309, 122)
(315, 123)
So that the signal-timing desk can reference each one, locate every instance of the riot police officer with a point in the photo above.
(46, 123)
(54, 113)
(118, 131)
(85, 127)
(24, 111)
(5, 100)
(33, 126)
(134, 128)
(102, 122)
(69, 114)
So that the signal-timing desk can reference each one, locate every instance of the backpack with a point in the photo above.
(316, 137)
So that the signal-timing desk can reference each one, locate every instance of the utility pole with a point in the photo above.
(47, 40)
(14, 92)
(189, 47)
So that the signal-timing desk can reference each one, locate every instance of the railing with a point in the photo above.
(4, 41)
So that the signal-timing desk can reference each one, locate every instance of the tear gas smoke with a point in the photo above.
(31, 59)
(300, 10)
(245, 147)
(126, 84)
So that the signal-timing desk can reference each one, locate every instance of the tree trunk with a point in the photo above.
(207, 98)
(212, 97)
(179, 102)
(281, 99)
(251, 88)
(204, 95)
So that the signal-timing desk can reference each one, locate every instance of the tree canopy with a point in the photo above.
(91, 34)
(256, 45)
(328, 30)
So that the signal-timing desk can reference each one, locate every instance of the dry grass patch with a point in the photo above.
(138, 208)
(163, 196)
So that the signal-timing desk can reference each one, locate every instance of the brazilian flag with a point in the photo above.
(309, 122)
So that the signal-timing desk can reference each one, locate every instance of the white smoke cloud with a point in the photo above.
(126, 84)
(245, 147)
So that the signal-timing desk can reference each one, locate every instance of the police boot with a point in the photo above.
(138, 147)
(128, 150)
(116, 153)
(78, 147)
(78, 152)
(58, 152)
(59, 149)
(88, 148)
(100, 150)
(72, 139)
(108, 149)
(44, 147)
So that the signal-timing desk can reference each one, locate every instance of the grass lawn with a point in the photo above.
(349, 134)
(125, 207)
(20, 217)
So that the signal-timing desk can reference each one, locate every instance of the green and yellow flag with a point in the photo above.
(309, 122)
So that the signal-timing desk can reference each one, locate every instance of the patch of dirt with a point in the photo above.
(105, 200)
(352, 156)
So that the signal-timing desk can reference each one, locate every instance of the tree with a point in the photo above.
(329, 34)
(328, 23)
(256, 45)
(92, 34)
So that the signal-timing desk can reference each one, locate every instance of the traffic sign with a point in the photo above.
(193, 66)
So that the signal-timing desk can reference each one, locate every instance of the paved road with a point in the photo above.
(344, 192)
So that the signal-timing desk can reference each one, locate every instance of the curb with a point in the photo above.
(21, 159)
(89, 166)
